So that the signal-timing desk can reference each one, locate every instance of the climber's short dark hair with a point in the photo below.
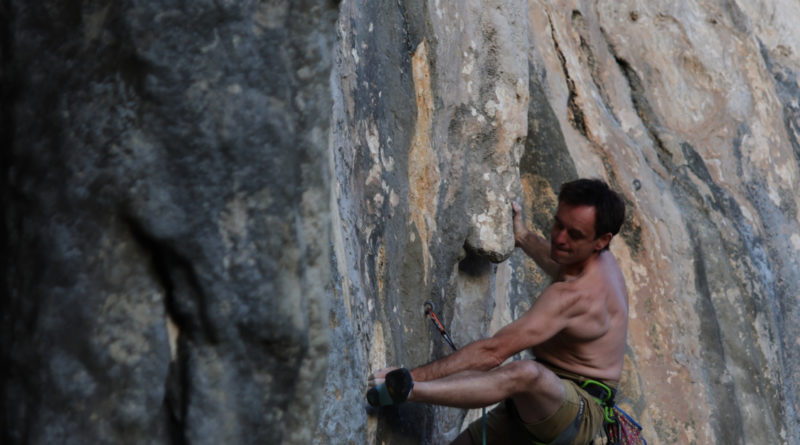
(609, 207)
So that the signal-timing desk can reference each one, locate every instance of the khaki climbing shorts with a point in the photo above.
(578, 421)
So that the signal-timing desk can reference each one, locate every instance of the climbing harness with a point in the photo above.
(603, 395)
(432, 315)
(620, 427)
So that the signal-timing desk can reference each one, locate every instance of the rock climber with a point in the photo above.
(576, 330)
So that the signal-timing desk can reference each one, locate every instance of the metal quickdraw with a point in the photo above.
(432, 315)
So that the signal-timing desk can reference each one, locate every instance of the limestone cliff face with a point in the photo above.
(444, 112)
(220, 216)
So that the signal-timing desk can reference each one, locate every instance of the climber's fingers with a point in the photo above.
(377, 377)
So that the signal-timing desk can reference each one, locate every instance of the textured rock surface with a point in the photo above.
(167, 220)
(688, 108)
(195, 209)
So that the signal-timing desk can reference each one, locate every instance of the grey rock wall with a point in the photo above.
(166, 220)
(221, 216)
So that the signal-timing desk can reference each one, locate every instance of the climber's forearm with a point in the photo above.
(538, 249)
(480, 355)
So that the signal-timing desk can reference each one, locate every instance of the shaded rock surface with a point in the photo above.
(166, 222)
(220, 216)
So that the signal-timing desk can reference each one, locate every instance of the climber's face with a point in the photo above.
(572, 238)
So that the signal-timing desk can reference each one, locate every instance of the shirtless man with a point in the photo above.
(576, 329)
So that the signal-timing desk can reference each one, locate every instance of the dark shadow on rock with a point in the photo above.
(474, 265)
(410, 423)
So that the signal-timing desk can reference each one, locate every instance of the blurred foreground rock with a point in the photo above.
(167, 220)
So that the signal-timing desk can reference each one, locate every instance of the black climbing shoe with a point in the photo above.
(394, 389)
